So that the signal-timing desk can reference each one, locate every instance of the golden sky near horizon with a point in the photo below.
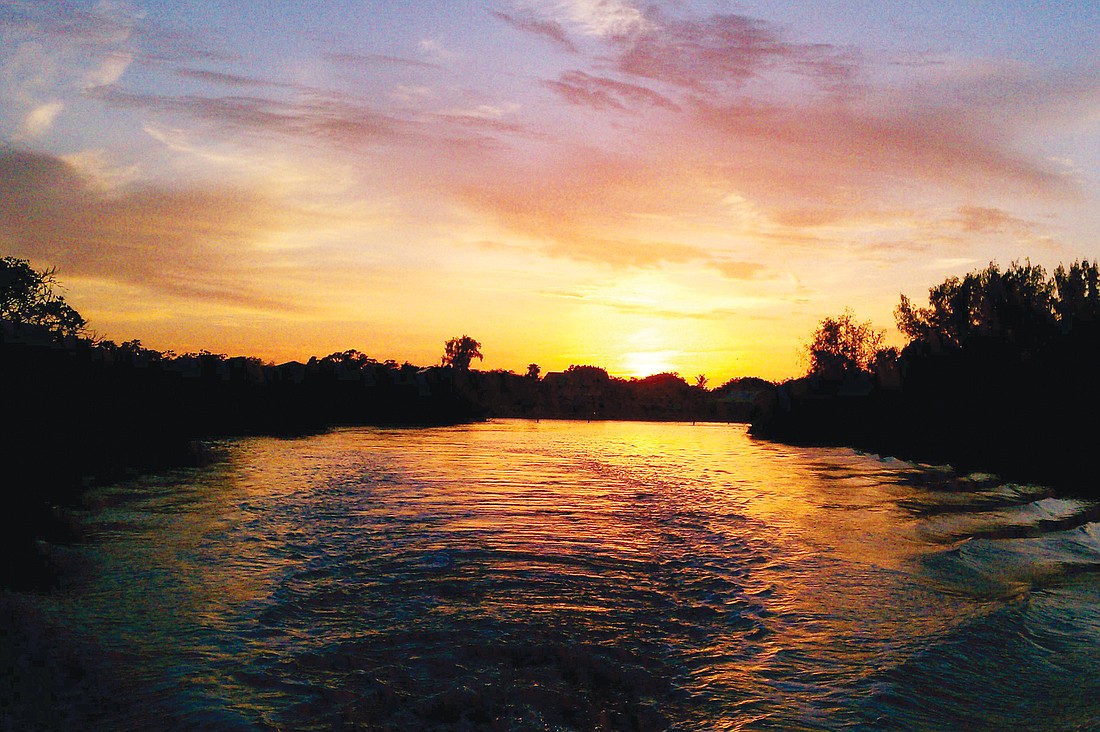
(685, 186)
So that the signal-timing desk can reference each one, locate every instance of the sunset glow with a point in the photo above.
(646, 187)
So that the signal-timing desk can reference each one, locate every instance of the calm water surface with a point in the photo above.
(522, 575)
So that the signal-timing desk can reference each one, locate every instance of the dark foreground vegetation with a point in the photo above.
(80, 410)
(999, 375)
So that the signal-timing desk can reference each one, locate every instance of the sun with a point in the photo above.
(646, 363)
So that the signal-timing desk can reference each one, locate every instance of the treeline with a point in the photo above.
(999, 374)
(589, 392)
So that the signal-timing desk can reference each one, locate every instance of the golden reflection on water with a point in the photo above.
(732, 580)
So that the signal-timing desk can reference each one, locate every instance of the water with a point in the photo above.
(548, 575)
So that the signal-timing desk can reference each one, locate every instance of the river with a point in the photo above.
(554, 575)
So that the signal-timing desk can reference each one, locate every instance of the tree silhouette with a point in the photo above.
(533, 370)
(842, 346)
(588, 372)
(1019, 305)
(350, 357)
(460, 351)
(701, 381)
(1077, 291)
(27, 296)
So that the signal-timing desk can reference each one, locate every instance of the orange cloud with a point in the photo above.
(199, 244)
(985, 219)
(739, 270)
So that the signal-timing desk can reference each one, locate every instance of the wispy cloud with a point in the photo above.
(226, 79)
(106, 24)
(411, 93)
(987, 219)
(484, 111)
(577, 87)
(372, 61)
(120, 30)
(46, 56)
(336, 119)
(625, 252)
(708, 54)
(859, 147)
(548, 29)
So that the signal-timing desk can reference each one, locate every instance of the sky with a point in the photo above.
(676, 185)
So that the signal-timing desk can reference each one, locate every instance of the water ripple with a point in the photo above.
(577, 576)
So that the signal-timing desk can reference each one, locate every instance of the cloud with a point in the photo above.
(484, 111)
(193, 243)
(984, 219)
(577, 205)
(225, 79)
(370, 61)
(407, 93)
(336, 119)
(45, 57)
(109, 70)
(624, 252)
(601, 17)
(98, 173)
(107, 24)
(434, 48)
(1009, 99)
(821, 163)
(39, 120)
(816, 148)
(115, 27)
(808, 173)
(547, 29)
(598, 296)
(739, 270)
(579, 88)
(722, 51)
